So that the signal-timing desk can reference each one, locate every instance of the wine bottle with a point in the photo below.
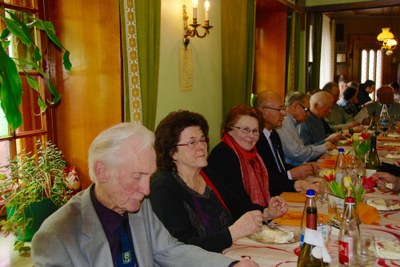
(349, 235)
(373, 127)
(310, 255)
(372, 161)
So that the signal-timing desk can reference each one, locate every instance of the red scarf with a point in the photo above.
(254, 173)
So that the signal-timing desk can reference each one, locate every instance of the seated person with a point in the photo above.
(296, 153)
(349, 101)
(338, 119)
(240, 170)
(315, 130)
(364, 89)
(282, 176)
(111, 223)
(396, 89)
(182, 194)
(385, 95)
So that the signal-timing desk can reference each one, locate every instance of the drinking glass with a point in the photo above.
(367, 255)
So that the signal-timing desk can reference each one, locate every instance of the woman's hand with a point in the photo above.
(247, 224)
(276, 208)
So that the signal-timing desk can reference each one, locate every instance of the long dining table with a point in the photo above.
(266, 254)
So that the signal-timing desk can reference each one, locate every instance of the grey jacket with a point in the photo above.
(74, 236)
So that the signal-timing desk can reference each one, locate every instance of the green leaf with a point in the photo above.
(10, 90)
(48, 28)
(18, 31)
(36, 54)
(4, 33)
(66, 62)
(54, 92)
(34, 84)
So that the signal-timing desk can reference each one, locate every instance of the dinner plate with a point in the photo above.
(384, 204)
(271, 235)
(393, 156)
(387, 248)
(391, 144)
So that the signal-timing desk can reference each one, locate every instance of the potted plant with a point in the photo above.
(20, 27)
(34, 185)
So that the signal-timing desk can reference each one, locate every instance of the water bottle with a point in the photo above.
(349, 235)
(384, 119)
(340, 166)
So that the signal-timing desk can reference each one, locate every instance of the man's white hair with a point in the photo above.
(105, 147)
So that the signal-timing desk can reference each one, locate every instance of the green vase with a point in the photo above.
(38, 211)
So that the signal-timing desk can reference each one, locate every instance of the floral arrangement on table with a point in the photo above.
(348, 187)
(361, 143)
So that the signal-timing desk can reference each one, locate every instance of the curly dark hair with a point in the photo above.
(241, 110)
(168, 133)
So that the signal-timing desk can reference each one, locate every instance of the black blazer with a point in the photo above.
(278, 181)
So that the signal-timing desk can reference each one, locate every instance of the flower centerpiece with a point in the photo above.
(349, 187)
(361, 144)
(355, 188)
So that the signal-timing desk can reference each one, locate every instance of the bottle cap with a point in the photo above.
(310, 193)
(341, 150)
(349, 200)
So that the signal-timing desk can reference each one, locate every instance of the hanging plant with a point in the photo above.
(10, 80)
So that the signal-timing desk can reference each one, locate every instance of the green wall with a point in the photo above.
(206, 96)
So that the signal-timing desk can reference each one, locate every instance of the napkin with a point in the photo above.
(368, 214)
(293, 218)
(293, 197)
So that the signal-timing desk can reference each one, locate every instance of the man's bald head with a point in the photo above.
(321, 104)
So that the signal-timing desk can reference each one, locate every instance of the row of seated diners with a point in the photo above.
(204, 200)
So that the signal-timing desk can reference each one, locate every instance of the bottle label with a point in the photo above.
(301, 239)
(369, 172)
(345, 250)
(311, 220)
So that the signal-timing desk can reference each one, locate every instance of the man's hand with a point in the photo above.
(303, 186)
(334, 138)
(329, 146)
(303, 171)
(276, 208)
(387, 182)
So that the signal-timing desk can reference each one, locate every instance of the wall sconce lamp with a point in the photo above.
(191, 29)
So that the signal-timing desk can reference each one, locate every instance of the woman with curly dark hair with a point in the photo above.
(182, 194)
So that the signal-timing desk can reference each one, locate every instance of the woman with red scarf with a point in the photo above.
(242, 175)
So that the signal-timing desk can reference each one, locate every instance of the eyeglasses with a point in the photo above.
(281, 109)
(193, 143)
(247, 130)
(305, 109)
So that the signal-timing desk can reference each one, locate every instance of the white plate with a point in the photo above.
(387, 248)
(394, 135)
(266, 235)
(391, 144)
(393, 156)
(384, 204)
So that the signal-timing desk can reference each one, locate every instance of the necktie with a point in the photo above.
(274, 137)
(126, 254)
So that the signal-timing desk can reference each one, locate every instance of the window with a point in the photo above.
(371, 66)
(34, 123)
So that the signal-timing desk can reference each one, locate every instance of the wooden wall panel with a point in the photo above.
(91, 92)
(270, 58)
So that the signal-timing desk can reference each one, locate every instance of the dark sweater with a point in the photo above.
(192, 218)
(228, 180)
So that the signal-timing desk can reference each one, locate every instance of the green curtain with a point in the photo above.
(317, 33)
(147, 15)
(238, 45)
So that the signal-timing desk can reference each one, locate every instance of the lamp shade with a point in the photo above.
(385, 35)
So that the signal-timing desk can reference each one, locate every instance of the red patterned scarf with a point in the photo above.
(254, 174)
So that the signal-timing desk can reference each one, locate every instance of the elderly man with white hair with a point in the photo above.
(111, 223)
(315, 130)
